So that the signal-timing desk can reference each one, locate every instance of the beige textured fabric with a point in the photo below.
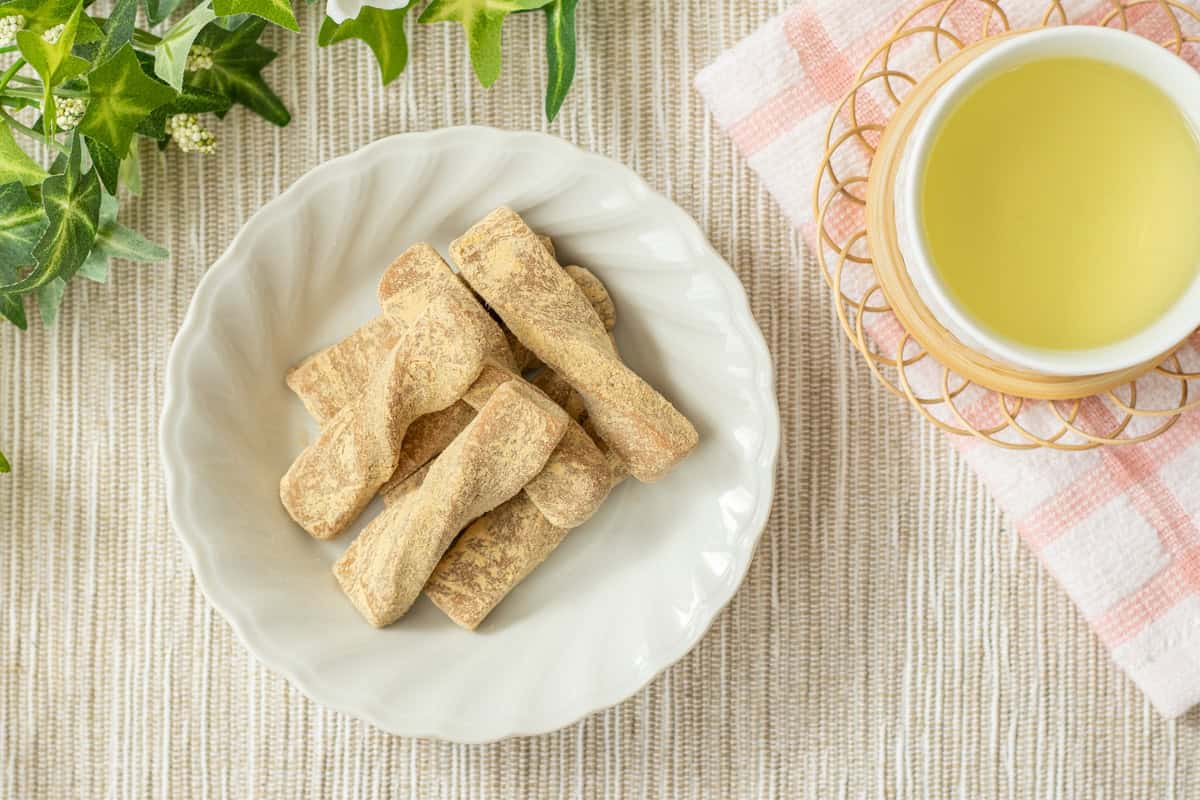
(892, 639)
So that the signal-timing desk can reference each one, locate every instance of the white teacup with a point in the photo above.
(1171, 74)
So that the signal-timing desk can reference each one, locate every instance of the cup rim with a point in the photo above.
(1170, 74)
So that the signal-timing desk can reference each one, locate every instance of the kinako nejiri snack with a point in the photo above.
(433, 365)
(517, 514)
(573, 484)
(331, 377)
(428, 436)
(575, 480)
(560, 392)
(506, 264)
(503, 448)
(498, 551)
(570, 483)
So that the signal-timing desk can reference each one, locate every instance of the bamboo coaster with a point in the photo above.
(861, 261)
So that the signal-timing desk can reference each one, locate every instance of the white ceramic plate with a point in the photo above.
(624, 596)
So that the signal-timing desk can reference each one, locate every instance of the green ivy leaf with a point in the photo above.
(106, 163)
(381, 29)
(329, 29)
(22, 222)
(49, 298)
(189, 101)
(88, 33)
(560, 53)
(114, 240)
(13, 310)
(238, 60)
(234, 22)
(53, 62)
(482, 21)
(158, 10)
(277, 11)
(87, 40)
(121, 97)
(170, 54)
(117, 241)
(72, 205)
(130, 173)
(4, 465)
(12, 307)
(118, 30)
(57, 167)
(40, 14)
(94, 267)
(15, 164)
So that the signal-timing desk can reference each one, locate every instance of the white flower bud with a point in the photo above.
(52, 35)
(199, 57)
(68, 112)
(9, 26)
(191, 137)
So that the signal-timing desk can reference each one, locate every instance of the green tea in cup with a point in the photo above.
(1060, 203)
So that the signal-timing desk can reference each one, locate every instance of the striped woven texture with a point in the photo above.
(894, 638)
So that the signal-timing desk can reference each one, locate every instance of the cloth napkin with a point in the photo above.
(1117, 526)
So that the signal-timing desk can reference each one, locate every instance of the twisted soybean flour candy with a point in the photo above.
(1061, 203)
(479, 452)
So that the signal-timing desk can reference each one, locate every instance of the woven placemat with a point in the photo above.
(892, 637)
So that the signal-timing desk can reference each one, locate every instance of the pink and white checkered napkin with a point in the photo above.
(1117, 526)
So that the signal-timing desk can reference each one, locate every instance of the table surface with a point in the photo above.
(892, 637)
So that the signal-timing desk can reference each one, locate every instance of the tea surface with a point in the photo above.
(1061, 203)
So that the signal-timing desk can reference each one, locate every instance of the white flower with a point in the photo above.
(199, 57)
(9, 26)
(341, 10)
(52, 34)
(68, 112)
(191, 137)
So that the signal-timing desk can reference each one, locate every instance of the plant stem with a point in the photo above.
(140, 37)
(17, 91)
(16, 124)
(11, 72)
(35, 84)
(36, 93)
(145, 38)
